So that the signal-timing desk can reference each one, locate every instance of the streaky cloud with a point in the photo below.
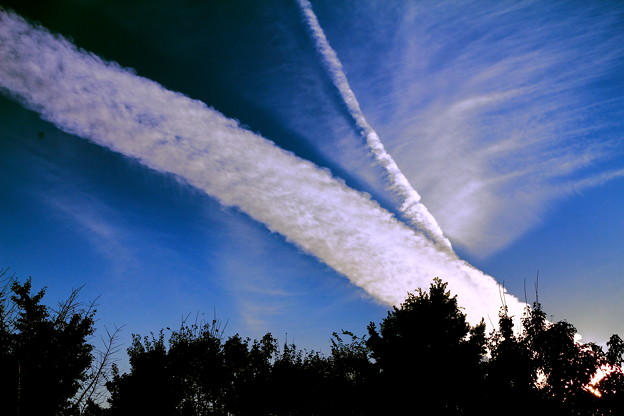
(494, 110)
(411, 208)
(171, 133)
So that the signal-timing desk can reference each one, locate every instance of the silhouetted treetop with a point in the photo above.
(428, 352)
(45, 354)
(423, 357)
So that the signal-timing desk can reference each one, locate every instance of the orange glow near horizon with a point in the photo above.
(601, 373)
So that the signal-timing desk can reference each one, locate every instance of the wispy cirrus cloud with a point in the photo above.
(495, 111)
(98, 227)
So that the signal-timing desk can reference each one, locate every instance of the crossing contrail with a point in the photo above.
(414, 211)
(171, 133)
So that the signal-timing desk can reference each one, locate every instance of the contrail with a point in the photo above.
(415, 212)
(169, 132)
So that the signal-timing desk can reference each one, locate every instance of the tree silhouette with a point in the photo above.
(564, 365)
(198, 372)
(429, 356)
(355, 378)
(195, 372)
(249, 367)
(616, 350)
(149, 387)
(510, 371)
(543, 369)
(44, 352)
(423, 357)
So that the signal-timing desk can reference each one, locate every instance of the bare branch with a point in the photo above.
(106, 357)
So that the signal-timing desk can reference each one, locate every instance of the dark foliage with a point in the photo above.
(428, 354)
(423, 358)
(45, 355)
(198, 372)
(543, 366)
(510, 373)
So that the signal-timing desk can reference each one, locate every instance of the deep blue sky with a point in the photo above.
(507, 117)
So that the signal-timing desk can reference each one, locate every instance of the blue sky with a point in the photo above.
(506, 118)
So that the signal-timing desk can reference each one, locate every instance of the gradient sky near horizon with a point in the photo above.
(507, 117)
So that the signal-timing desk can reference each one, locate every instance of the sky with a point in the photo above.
(297, 167)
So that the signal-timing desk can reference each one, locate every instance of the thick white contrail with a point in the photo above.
(414, 211)
(172, 133)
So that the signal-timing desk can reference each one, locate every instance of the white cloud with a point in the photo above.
(494, 111)
(171, 133)
(412, 209)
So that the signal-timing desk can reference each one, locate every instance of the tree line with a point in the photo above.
(423, 358)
